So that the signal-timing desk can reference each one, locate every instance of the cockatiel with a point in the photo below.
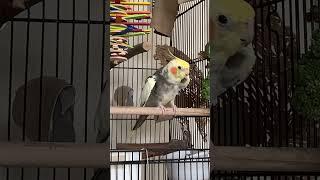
(230, 47)
(163, 86)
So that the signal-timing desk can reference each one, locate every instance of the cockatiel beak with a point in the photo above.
(184, 72)
(187, 72)
(245, 41)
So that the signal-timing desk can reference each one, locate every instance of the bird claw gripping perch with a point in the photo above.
(175, 110)
(163, 109)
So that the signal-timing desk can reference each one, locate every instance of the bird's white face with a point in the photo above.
(231, 29)
(177, 70)
(229, 33)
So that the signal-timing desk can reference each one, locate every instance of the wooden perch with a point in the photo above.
(157, 111)
(96, 155)
(266, 159)
(137, 49)
(156, 149)
(53, 155)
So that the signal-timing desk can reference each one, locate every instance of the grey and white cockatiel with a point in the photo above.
(231, 53)
(163, 86)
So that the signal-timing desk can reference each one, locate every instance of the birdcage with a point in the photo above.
(53, 65)
(62, 83)
(172, 149)
(61, 77)
(260, 112)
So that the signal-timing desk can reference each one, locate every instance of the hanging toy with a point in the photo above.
(122, 26)
(118, 49)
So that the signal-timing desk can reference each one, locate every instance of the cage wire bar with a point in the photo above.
(258, 112)
(66, 41)
(189, 36)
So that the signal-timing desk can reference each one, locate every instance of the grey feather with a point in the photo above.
(161, 93)
(236, 69)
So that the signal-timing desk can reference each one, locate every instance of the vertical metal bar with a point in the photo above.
(73, 40)
(57, 40)
(315, 134)
(103, 68)
(57, 55)
(286, 127)
(257, 88)
(41, 77)
(297, 55)
(243, 114)
(10, 91)
(25, 82)
(231, 96)
(87, 82)
(292, 65)
(280, 120)
(72, 59)
(312, 19)
(218, 110)
(263, 76)
(271, 81)
(238, 117)
(305, 28)
(224, 109)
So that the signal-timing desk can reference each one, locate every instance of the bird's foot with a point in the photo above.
(163, 109)
(174, 110)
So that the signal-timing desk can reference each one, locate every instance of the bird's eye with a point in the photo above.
(179, 67)
(222, 19)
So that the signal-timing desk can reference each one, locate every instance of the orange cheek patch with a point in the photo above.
(173, 70)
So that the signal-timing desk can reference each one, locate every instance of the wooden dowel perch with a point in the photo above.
(137, 49)
(54, 155)
(157, 111)
(266, 159)
(97, 155)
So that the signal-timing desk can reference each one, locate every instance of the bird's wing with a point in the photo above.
(147, 89)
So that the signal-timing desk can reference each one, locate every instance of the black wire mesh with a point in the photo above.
(189, 37)
(259, 112)
(63, 40)
(67, 40)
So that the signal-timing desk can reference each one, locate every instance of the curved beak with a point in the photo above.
(250, 33)
(245, 42)
(187, 72)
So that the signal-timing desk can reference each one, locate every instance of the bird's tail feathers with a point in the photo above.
(139, 122)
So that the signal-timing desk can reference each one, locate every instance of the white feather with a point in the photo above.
(146, 90)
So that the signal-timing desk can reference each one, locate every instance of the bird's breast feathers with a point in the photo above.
(166, 92)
